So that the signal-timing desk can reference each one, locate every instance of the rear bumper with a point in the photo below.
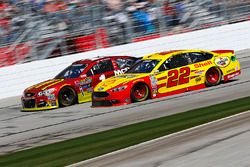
(232, 75)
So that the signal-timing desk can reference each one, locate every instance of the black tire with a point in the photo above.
(139, 92)
(213, 77)
(67, 96)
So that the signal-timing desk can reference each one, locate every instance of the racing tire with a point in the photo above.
(67, 97)
(139, 92)
(213, 77)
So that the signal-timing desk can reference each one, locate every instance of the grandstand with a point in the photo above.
(40, 29)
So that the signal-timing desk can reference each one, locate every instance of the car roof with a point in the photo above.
(167, 54)
(89, 61)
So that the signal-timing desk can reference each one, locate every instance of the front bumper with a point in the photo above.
(105, 99)
(32, 104)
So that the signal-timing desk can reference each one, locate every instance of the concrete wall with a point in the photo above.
(14, 79)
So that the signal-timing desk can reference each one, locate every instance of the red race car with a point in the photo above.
(75, 83)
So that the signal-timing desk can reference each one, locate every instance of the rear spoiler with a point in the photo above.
(223, 51)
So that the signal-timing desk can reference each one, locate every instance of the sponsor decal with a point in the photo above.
(198, 79)
(85, 81)
(203, 64)
(153, 81)
(125, 76)
(222, 61)
(199, 72)
(121, 71)
(52, 97)
(90, 90)
(229, 76)
(236, 68)
(231, 70)
(85, 87)
(53, 103)
(81, 90)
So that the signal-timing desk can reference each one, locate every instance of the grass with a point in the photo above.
(82, 148)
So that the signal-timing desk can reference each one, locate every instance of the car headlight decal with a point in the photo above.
(119, 88)
(46, 92)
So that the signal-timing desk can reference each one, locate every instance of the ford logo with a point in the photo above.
(101, 88)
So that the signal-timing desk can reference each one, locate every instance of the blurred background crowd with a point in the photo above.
(39, 29)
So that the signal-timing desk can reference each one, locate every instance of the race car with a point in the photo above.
(167, 73)
(74, 84)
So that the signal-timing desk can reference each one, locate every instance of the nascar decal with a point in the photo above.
(222, 61)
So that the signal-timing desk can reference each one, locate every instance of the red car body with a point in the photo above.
(74, 84)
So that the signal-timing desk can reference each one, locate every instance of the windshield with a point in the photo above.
(143, 66)
(72, 71)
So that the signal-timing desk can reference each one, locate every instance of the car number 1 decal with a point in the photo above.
(102, 77)
(176, 77)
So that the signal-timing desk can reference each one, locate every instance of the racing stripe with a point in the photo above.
(43, 83)
(192, 77)
(162, 78)
(54, 83)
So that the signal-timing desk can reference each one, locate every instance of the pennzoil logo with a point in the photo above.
(222, 61)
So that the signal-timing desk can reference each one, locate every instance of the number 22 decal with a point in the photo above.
(176, 77)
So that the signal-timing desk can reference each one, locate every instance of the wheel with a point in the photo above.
(139, 92)
(213, 77)
(67, 96)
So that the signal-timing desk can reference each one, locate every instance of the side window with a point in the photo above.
(123, 62)
(178, 61)
(90, 73)
(165, 66)
(199, 56)
(103, 66)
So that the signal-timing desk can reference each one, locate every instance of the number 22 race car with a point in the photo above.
(74, 84)
(167, 73)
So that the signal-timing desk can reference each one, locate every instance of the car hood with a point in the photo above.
(116, 81)
(44, 85)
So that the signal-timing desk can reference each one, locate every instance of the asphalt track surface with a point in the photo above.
(22, 130)
(220, 143)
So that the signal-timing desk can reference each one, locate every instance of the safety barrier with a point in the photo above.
(14, 79)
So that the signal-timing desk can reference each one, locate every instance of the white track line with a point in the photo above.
(157, 139)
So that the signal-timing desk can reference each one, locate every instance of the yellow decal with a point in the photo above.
(44, 83)
(54, 83)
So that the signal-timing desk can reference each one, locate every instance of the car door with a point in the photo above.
(101, 70)
(174, 74)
